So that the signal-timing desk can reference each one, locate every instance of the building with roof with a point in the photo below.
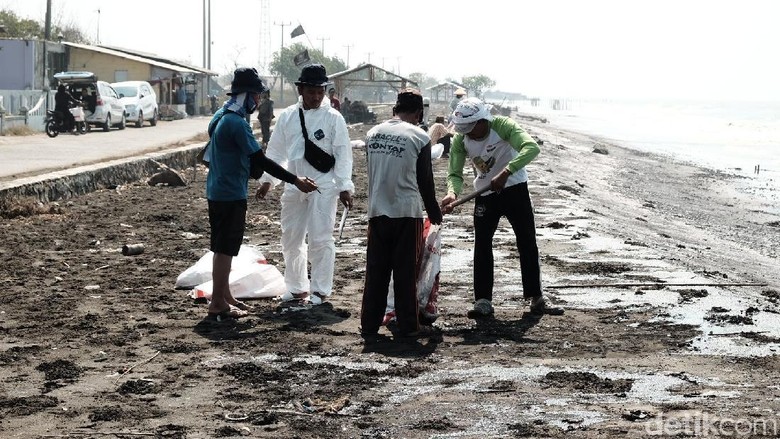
(31, 64)
(443, 92)
(369, 82)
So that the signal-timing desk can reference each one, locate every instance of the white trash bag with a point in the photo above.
(437, 151)
(251, 277)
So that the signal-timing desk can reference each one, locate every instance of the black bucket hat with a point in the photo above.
(246, 80)
(313, 74)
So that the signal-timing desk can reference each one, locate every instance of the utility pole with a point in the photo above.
(369, 57)
(322, 45)
(264, 51)
(209, 36)
(205, 58)
(46, 38)
(348, 46)
(281, 76)
(98, 27)
(205, 42)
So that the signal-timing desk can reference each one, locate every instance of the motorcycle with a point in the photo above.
(56, 124)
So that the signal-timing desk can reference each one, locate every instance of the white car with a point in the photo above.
(139, 100)
(101, 102)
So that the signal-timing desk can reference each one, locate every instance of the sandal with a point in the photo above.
(226, 315)
(241, 305)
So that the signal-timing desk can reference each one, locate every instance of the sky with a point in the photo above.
(611, 49)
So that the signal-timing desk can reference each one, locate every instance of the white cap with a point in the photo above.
(468, 112)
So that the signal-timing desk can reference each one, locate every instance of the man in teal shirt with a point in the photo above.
(232, 150)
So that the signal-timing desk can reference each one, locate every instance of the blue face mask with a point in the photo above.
(249, 103)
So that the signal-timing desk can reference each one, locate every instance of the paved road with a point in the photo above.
(27, 156)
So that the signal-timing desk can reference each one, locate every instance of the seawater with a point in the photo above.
(734, 137)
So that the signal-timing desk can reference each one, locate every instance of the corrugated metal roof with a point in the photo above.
(124, 55)
(162, 59)
(346, 73)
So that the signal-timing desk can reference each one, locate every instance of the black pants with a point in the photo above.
(394, 246)
(446, 141)
(514, 203)
(265, 129)
(68, 121)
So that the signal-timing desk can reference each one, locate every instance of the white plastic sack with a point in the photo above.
(200, 272)
(250, 277)
(436, 151)
(248, 282)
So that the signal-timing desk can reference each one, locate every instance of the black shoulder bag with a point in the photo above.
(321, 160)
(255, 162)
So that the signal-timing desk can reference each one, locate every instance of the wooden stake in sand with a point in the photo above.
(136, 364)
(469, 197)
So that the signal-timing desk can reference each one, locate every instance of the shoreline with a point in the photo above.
(678, 189)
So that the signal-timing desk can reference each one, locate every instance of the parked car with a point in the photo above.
(140, 101)
(101, 102)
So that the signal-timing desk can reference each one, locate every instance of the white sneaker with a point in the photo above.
(290, 297)
(539, 306)
(317, 298)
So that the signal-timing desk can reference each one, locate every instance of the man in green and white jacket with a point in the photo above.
(499, 149)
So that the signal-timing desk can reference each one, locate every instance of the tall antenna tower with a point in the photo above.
(264, 51)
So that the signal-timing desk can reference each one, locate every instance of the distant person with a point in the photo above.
(334, 101)
(265, 113)
(426, 111)
(439, 133)
(307, 220)
(233, 147)
(499, 149)
(213, 103)
(346, 108)
(63, 102)
(400, 182)
(457, 96)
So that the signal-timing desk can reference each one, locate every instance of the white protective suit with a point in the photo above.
(313, 213)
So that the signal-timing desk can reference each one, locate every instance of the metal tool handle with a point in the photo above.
(343, 221)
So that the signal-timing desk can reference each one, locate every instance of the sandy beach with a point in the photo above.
(97, 344)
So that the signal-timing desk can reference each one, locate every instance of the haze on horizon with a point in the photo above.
(694, 49)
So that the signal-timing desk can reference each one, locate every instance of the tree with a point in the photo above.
(477, 84)
(16, 27)
(423, 81)
(24, 28)
(283, 65)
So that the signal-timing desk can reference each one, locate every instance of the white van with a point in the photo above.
(140, 101)
(101, 102)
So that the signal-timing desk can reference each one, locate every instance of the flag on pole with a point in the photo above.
(297, 31)
(301, 58)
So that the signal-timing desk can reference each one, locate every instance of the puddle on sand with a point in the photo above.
(466, 383)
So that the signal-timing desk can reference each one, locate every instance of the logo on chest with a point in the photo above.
(319, 135)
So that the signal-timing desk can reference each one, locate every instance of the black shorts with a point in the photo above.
(228, 221)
